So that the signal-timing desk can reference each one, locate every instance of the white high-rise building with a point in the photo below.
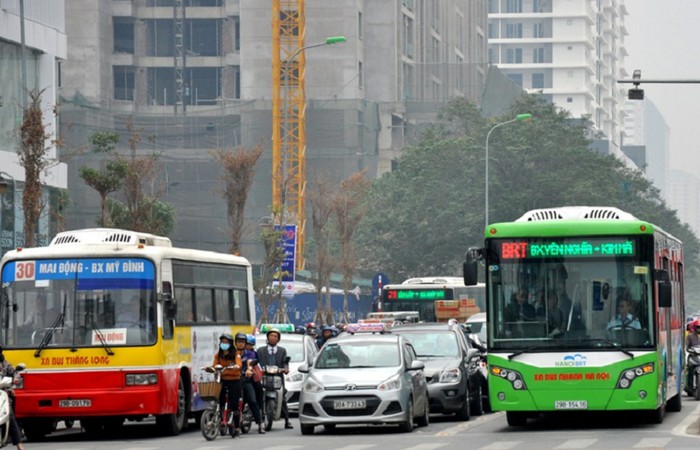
(684, 196)
(570, 51)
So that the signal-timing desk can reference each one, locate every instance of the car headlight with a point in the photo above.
(451, 375)
(295, 377)
(312, 385)
(390, 384)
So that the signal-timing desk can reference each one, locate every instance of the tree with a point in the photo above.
(265, 291)
(238, 179)
(109, 179)
(437, 191)
(349, 208)
(142, 210)
(33, 157)
(321, 202)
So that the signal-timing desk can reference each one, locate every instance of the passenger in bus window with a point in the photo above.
(625, 317)
(130, 314)
(554, 316)
(519, 309)
(39, 317)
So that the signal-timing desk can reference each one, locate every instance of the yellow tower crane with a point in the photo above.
(289, 117)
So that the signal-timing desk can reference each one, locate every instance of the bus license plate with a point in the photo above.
(349, 404)
(571, 404)
(74, 403)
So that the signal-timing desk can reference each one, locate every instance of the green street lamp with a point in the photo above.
(518, 118)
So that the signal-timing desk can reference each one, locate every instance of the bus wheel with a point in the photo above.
(674, 403)
(37, 429)
(173, 424)
(657, 415)
(516, 418)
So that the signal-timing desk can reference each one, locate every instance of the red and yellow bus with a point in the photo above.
(115, 325)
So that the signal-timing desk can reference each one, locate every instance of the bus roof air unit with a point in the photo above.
(98, 236)
(576, 212)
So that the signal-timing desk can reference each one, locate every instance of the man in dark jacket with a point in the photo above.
(274, 355)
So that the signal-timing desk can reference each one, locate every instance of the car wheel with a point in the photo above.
(407, 425)
(424, 420)
(463, 413)
(307, 429)
(477, 407)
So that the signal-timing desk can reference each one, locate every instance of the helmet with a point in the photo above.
(311, 325)
(226, 336)
(240, 336)
(695, 325)
(250, 339)
(327, 328)
(274, 330)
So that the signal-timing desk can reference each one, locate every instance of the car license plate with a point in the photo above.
(349, 404)
(571, 404)
(74, 403)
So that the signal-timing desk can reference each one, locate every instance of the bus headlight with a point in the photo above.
(629, 375)
(141, 379)
(514, 377)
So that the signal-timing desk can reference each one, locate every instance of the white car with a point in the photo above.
(477, 326)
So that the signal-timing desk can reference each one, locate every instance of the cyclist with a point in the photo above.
(252, 390)
(230, 358)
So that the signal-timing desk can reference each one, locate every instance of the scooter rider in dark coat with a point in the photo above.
(692, 340)
(274, 355)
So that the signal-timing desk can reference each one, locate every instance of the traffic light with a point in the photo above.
(635, 94)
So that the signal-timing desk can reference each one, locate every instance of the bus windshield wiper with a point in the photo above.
(615, 345)
(527, 350)
(100, 337)
(49, 334)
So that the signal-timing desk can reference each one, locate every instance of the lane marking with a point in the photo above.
(470, 424)
(578, 443)
(502, 445)
(682, 428)
(652, 443)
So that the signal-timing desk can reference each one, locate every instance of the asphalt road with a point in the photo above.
(489, 432)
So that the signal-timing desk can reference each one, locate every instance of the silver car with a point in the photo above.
(364, 379)
(301, 349)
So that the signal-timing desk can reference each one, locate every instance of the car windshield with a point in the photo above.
(295, 349)
(431, 343)
(348, 355)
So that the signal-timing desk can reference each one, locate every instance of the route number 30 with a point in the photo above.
(24, 270)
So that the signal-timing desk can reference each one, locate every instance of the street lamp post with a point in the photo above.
(518, 118)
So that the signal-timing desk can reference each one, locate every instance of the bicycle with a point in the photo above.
(211, 423)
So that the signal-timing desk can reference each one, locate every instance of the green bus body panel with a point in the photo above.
(559, 228)
(594, 385)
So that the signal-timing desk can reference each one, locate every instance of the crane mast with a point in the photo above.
(289, 117)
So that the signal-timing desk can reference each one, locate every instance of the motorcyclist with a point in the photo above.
(8, 370)
(252, 390)
(327, 332)
(230, 377)
(311, 329)
(692, 340)
(274, 355)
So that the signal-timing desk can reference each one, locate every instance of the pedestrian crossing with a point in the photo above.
(565, 444)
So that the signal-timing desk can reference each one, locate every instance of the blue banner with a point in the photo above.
(289, 243)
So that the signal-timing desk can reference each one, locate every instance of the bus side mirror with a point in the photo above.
(169, 307)
(469, 267)
(665, 295)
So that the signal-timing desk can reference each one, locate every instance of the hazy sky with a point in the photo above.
(663, 43)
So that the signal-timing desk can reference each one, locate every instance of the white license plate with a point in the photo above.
(571, 404)
(74, 403)
(349, 404)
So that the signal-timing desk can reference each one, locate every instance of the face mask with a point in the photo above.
(224, 347)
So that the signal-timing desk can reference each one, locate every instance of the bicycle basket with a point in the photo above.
(210, 389)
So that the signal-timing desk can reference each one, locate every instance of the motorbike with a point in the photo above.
(693, 368)
(272, 382)
(6, 385)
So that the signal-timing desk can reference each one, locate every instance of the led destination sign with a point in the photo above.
(570, 248)
(417, 294)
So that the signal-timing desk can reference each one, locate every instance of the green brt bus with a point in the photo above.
(584, 312)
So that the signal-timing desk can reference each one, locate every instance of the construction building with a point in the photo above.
(194, 75)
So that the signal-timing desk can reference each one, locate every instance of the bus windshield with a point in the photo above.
(78, 303)
(554, 293)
